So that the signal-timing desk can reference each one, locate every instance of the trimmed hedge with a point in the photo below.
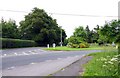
(16, 43)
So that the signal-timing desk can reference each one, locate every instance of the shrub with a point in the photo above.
(74, 40)
(71, 45)
(81, 45)
(16, 43)
(84, 45)
(75, 46)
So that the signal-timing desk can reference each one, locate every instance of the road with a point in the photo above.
(21, 58)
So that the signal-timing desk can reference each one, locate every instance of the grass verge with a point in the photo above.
(64, 48)
(103, 64)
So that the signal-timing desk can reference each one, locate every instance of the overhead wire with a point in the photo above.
(61, 14)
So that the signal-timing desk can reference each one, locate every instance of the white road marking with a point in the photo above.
(35, 50)
(10, 68)
(34, 53)
(25, 53)
(48, 60)
(76, 56)
(59, 58)
(29, 51)
(15, 53)
(5, 55)
(68, 57)
(32, 63)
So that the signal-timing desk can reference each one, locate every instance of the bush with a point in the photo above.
(74, 40)
(16, 43)
(81, 45)
(71, 45)
(75, 46)
(84, 45)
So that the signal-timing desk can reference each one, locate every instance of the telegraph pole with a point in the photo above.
(61, 36)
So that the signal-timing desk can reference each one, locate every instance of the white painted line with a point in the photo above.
(29, 51)
(68, 57)
(15, 53)
(5, 55)
(59, 58)
(25, 53)
(35, 50)
(48, 60)
(34, 53)
(76, 56)
(32, 63)
(10, 68)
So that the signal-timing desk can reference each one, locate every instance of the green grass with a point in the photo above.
(103, 64)
(64, 48)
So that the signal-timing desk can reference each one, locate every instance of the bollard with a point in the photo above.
(53, 45)
(48, 46)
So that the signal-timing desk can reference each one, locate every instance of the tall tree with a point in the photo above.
(40, 27)
(80, 32)
(96, 33)
(112, 31)
(9, 29)
(88, 34)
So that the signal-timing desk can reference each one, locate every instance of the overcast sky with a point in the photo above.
(69, 23)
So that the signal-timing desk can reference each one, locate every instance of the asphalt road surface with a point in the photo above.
(21, 57)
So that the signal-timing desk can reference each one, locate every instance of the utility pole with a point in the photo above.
(61, 36)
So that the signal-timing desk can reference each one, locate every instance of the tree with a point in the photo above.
(75, 40)
(40, 27)
(9, 29)
(88, 35)
(80, 32)
(112, 31)
(96, 33)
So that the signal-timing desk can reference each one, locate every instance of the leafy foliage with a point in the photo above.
(103, 64)
(80, 32)
(9, 29)
(40, 27)
(84, 45)
(74, 40)
(111, 30)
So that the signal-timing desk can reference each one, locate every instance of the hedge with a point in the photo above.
(16, 43)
